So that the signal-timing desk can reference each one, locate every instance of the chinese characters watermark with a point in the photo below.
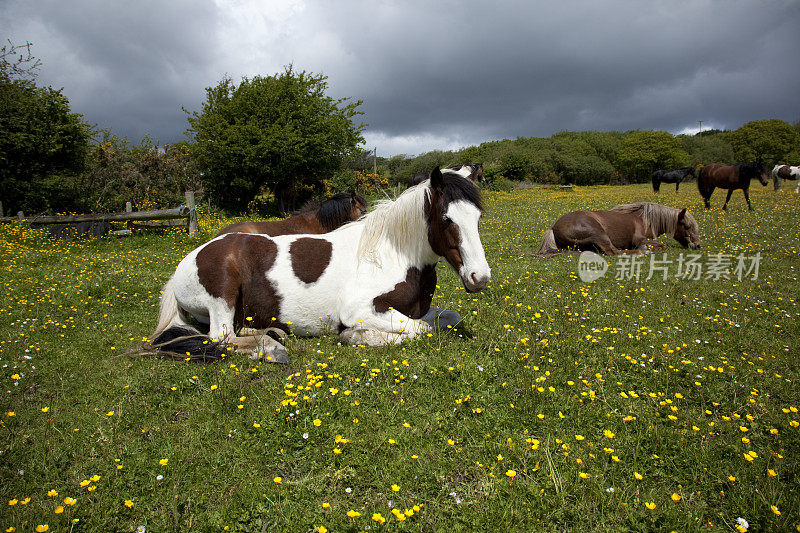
(697, 267)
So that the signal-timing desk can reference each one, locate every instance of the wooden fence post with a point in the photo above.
(1, 210)
(129, 209)
(192, 213)
(20, 216)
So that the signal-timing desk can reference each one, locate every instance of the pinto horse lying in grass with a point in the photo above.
(315, 218)
(627, 228)
(371, 281)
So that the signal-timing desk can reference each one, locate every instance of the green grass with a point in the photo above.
(670, 375)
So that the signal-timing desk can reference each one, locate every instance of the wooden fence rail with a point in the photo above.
(187, 211)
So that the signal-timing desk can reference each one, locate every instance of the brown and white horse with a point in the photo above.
(472, 171)
(627, 228)
(785, 172)
(730, 177)
(370, 280)
(315, 218)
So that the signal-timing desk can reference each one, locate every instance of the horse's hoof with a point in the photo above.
(277, 334)
(439, 319)
(277, 354)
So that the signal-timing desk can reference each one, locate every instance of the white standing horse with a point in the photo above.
(785, 172)
(370, 280)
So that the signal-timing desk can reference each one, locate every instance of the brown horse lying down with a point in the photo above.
(627, 228)
(313, 218)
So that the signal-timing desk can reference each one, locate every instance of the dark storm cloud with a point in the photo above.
(127, 68)
(433, 74)
(591, 67)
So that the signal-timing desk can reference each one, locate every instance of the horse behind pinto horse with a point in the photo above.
(627, 228)
(472, 171)
(314, 218)
(671, 176)
(372, 280)
(730, 177)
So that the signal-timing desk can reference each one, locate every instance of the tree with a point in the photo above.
(279, 133)
(42, 143)
(642, 152)
(710, 146)
(766, 141)
(145, 174)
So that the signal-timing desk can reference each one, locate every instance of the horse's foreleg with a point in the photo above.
(677, 184)
(727, 199)
(647, 244)
(374, 329)
(747, 197)
(369, 337)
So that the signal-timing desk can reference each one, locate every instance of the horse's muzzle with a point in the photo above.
(476, 281)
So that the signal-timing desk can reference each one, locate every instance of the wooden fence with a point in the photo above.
(185, 215)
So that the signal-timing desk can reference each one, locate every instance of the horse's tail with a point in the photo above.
(175, 339)
(186, 343)
(701, 182)
(168, 311)
(656, 184)
(548, 247)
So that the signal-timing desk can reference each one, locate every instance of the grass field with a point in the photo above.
(649, 405)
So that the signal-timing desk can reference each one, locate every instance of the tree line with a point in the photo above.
(268, 143)
(595, 157)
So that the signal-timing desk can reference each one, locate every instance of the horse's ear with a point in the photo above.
(682, 214)
(437, 181)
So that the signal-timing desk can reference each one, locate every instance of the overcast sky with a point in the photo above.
(432, 74)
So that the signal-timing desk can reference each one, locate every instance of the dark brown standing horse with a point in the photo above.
(627, 228)
(472, 171)
(730, 177)
(313, 218)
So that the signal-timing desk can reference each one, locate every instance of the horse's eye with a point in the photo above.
(446, 219)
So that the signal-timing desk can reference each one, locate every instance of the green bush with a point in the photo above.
(500, 183)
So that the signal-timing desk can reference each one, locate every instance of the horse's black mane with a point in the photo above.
(457, 188)
(753, 168)
(334, 211)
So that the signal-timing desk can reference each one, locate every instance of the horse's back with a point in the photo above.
(581, 223)
(590, 226)
(274, 228)
(717, 174)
